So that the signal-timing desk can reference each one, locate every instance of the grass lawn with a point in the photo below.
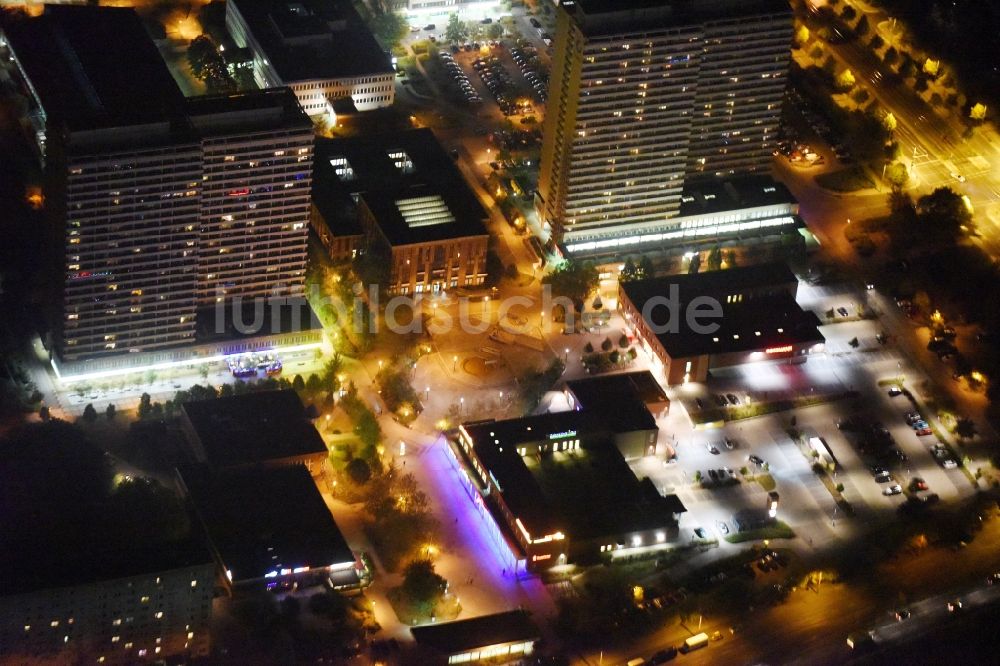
(779, 530)
(851, 179)
(766, 481)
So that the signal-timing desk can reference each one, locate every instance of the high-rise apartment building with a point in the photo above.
(256, 159)
(169, 204)
(646, 94)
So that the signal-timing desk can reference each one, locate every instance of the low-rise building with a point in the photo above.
(690, 324)
(261, 429)
(623, 396)
(496, 638)
(558, 487)
(419, 12)
(412, 204)
(269, 527)
(321, 49)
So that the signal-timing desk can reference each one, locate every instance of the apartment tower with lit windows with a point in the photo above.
(646, 95)
(169, 204)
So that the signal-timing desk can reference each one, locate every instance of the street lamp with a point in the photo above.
(461, 405)
(566, 358)
(454, 363)
(427, 392)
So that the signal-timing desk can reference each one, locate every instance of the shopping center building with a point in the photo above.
(558, 488)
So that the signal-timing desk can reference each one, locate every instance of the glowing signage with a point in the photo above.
(779, 350)
(536, 558)
(563, 435)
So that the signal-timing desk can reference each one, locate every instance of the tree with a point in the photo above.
(494, 30)
(977, 111)
(89, 413)
(298, 383)
(943, 214)
(389, 27)
(456, 30)
(110, 412)
(731, 259)
(606, 345)
(860, 96)
(848, 13)
(897, 174)
(368, 430)
(629, 271)
(314, 384)
(331, 371)
(359, 471)
(695, 264)
(573, 280)
(423, 586)
(965, 428)
(588, 348)
(862, 28)
(801, 35)
(876, 43)
(845, 80)
(43, 413)
(623, 341)
(854, 342)
(891, 56)
(714, 260)
(646, 268)
(200, 53)
(145, 406)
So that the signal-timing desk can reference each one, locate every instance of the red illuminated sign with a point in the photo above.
(778, 350)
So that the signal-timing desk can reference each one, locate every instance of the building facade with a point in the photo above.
(168, 204)
(757, 319)
(319, 48)
(254, 200)
(645, 95)
(145, 618)
(406, 196)
(534, 478)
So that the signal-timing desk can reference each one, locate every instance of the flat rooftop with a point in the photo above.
(767, 317)
(701, 197)
(590, 491)
(314, 39)
(621, 399)
(477, 632)
(604, 17)
(252, 428)
(266, 520)
(407, 180)
(268, 109)
(95, 67)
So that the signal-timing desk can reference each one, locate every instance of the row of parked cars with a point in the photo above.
(526, 60)
(821, 127)
(460, 79)
(497, 80)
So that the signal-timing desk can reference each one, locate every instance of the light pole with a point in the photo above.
(566, 358)
(461, 405)
(427, 393)
(454, 363)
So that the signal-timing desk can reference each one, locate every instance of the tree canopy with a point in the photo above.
(574, 280)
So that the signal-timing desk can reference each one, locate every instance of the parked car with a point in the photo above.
(712, 449)
(663, 656)
(894, 489)
(894, 391)
(756, 460)
(917, 484)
